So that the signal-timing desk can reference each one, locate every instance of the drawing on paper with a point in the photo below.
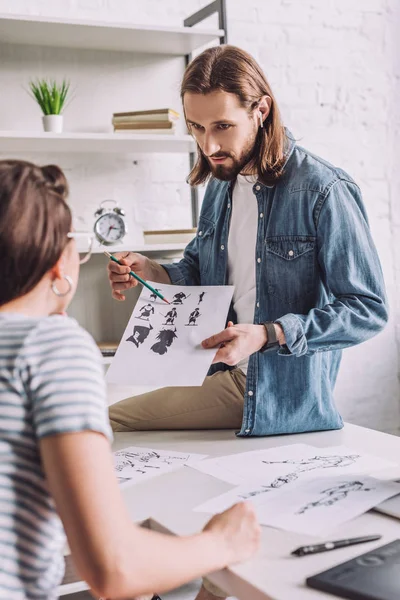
(170, 316)
(139, 335)
(335, 494)
(165, 338)
(154, 296)
(305, 465)
(201, 296)
(169, 353)
(145, 312)
(179, 297)
(193, 318)
(134, 464)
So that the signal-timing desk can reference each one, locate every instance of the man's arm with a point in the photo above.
(352, 273)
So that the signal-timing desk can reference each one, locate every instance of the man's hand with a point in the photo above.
(119, 277)
(237, 342)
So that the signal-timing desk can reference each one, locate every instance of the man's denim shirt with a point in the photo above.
(317, 274)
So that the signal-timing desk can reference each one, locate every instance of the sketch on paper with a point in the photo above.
(179, 297)
(312, 506)
(153, 297)
(170, 316)
(165, 338)
(193, 317)
(335, 494)
(145, 312)
(161, 345)
(134, 464)
(283, 466)
(140, 333)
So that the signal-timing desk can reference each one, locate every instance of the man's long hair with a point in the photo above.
(229, 69)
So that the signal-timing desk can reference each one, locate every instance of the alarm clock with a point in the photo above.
(109, 226)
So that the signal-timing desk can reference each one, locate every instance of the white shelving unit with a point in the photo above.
(98, 143)
(65, 33)
(93, 306)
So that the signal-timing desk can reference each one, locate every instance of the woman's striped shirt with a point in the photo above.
(51, 382)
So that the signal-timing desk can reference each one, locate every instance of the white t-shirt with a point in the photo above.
(241, 251)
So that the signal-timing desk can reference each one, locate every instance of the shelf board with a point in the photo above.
(127, 247)
(62, 33)
(124, 143)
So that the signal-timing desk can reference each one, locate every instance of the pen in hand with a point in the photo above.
(325, 547)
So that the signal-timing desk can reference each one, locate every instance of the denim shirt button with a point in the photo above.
(229, 205)
(258, 305)
(258, 259)
(200, 233)
(250, 393)
(247, 430)
(291, 253)
(258, 188)
(261, 215)
(222, 247)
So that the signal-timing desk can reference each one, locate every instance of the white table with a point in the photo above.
(273, 573)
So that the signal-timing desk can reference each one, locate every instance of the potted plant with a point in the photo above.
(51, 98)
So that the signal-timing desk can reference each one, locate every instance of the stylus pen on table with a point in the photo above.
(135, 276)
(304, 550)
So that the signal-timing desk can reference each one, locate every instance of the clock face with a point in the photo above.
(110, 228)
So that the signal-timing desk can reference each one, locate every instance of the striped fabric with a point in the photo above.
(51, 382)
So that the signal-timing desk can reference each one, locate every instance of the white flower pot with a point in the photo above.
(53, 123)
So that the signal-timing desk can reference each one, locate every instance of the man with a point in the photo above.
(290, 232)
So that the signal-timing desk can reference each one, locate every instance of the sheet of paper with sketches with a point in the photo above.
(314, 506)
(161, 343)
(283, 466)
(136, 464)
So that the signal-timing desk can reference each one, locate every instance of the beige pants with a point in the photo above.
(217, 404)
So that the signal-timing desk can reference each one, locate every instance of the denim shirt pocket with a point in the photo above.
(205, 238)
(290, 267)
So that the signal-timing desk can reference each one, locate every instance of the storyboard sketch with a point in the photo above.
(314, 506)
(136, 464)
(161, 345)
(282, 466)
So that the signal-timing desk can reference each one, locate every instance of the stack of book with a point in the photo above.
(161, 120)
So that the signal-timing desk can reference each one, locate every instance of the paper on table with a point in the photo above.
(161, 345)
(319, 505)
(283, 466)
(136, 464)
(314, 506)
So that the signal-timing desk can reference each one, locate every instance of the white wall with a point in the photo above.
(335, 69)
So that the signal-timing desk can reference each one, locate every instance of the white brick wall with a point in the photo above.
(335, 69)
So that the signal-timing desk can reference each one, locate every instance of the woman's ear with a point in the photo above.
(57, 272)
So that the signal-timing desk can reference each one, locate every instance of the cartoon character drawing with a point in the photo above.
(193, 317)
(146, 311)
(201, 296)
(170, 316)
(179, 297)
(140, 333)
(165, 338)
(310, 464)
(154, 296)
(335, 494)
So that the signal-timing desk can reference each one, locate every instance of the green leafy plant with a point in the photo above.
(49, 95)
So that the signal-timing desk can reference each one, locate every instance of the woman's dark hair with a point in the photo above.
(229, 69)
(34, 222)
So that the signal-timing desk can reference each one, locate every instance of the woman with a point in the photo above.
(56, 466)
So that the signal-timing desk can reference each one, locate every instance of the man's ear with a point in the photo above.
(264, 106)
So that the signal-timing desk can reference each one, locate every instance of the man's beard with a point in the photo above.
(229, 173)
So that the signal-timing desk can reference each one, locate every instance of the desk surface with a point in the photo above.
(273, 573)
